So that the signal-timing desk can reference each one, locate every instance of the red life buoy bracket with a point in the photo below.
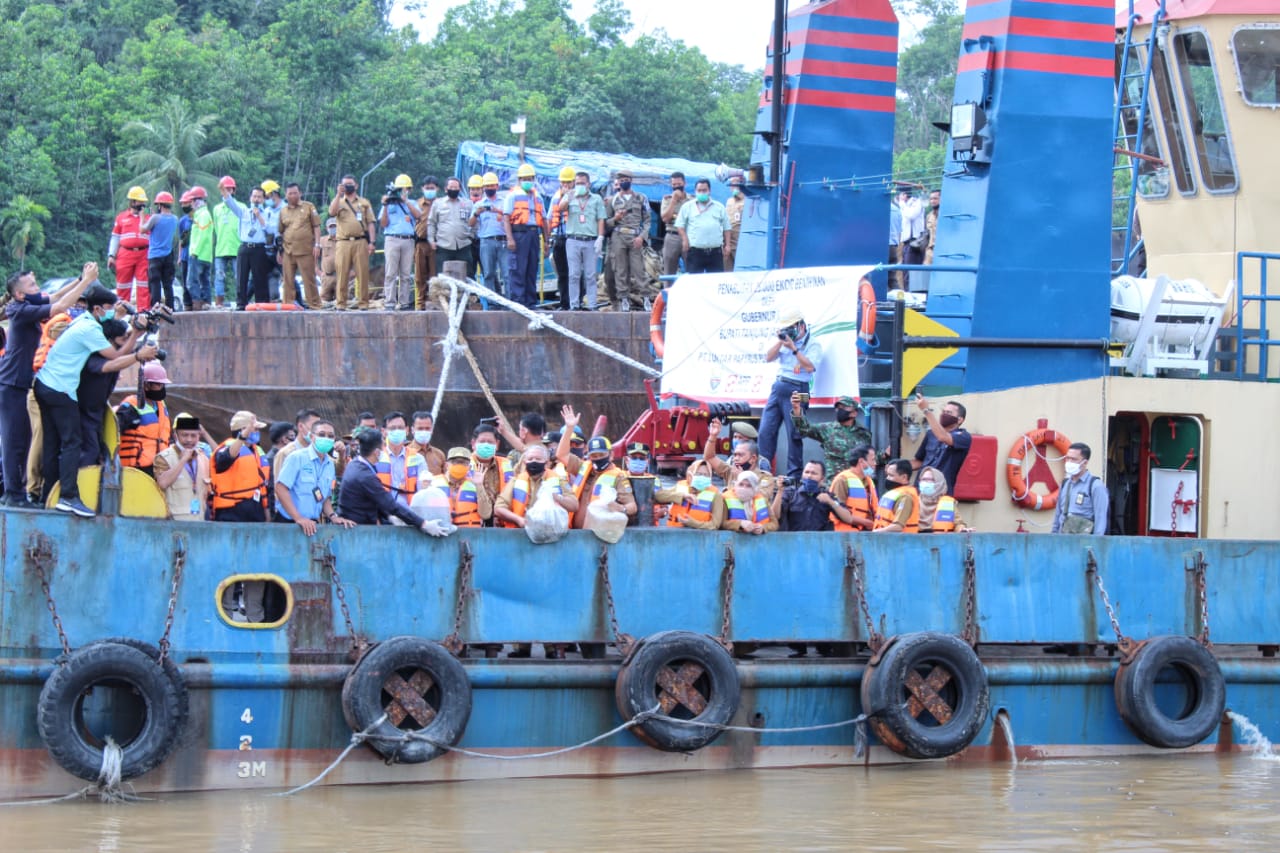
(1022, 494)
(655, 324)
(273, 306)
(866, 310)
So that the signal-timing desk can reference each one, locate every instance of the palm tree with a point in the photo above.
(22, 226)
(170, 151)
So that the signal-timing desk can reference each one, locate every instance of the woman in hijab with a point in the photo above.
(938, 512)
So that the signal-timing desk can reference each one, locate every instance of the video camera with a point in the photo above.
(146, 321)
(392, 191)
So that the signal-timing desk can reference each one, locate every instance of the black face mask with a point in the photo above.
(578, 451)
(844, 415)
(136, 208)
(677, 188)
(186, 208)
(948, 420)
(745, 466)
(452, 193)
(491, 193)
(624, 185)
(535, 469)
(157, 395)
(600, 464)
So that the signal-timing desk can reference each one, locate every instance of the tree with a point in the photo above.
(169, 153)
(927, 74)
(22, 226)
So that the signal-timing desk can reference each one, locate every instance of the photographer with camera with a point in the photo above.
(398, 217)
(356, 238)
(798, 358)
(58, 382)
(805, 505)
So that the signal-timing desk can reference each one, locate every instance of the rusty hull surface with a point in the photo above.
(274, 363)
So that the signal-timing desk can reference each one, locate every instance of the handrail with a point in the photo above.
(1262, 297)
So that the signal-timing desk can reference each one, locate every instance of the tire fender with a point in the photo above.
(1206, 692)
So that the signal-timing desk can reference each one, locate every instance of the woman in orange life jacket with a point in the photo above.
(695, 503)
(938, 511)
(747, 510)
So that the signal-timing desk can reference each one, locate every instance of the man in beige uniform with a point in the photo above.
(300, 246)
(356, 239)
(182, 472)
(424, 257)
(328, 261)
(671, 204)
(630, 215)
(733, 207)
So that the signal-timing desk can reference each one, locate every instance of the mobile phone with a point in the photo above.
(803, 397)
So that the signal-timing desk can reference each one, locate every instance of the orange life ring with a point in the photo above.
(273, 306)
(655, 323)
(867, 310)
(1022, 494)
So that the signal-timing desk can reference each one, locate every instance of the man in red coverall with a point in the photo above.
(127, 256)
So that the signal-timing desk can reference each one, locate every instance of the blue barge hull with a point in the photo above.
(266, 709)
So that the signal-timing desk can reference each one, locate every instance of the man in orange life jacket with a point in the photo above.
(521, 493)
(401, 471)
(469, 504)
(524, 218)
(899, 508)
(239, 475)
(489, 471)
(855, 491)
(603, 474)
(140, 444)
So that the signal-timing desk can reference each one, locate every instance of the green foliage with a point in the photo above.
(22, 227)
(170, 152)
(921, 166)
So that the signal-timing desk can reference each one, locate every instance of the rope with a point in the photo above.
(643, 716)
(454, 310)
(356, 739)
(475, 366)
(109, 787)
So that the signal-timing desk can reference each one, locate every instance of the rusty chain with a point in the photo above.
(1173, 509)
(624, 642)
(858, 567)
(453, 642)
(1202, 591)
(1125, 645)
(330, 562)
(970, 635)
(726, 612)
(40, 556)
(179, 563)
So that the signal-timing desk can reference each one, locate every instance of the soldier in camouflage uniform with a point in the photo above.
(837, 439)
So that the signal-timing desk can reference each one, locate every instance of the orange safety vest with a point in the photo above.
(520, 493)
(861, 498)
(944, 517)
(760, 509)
(696, 507)
(246, 479)
(464, 506)
(520, 209)
(885, 510)
(412, 471)
(504, 466)
(49, 332)
(557, 218)
(140, 445)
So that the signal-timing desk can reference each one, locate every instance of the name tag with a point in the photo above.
(582, 218)
(195, 506)
(318, 495)
(1080, 499)
(360, 216)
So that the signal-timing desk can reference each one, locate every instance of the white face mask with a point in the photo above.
(1073, 468)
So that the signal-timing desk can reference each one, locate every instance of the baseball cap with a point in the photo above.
(459, 453)
(637, 447)
(599, 444)
(790, 317)
(745, 430)
(240, 420)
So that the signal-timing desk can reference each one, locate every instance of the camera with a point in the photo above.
(789, 333)
(784, 481)
(392, 191)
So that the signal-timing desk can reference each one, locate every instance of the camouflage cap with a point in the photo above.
(849, 402)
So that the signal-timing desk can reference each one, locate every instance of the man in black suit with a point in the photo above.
(363, 498)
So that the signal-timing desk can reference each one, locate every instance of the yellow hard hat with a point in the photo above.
(474, 182)
(567, 173)
(525, 171)
(403, 182)
(137, 194)
(490, 179)
(269, 186)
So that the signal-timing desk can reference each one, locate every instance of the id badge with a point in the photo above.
(582, 218)
(1080, 499)
(318, 495)
(359, 216)
(195, 506)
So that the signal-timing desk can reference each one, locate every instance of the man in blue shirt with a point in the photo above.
(798, 358)
(27, 309)
(258, 226)
(304, 487)
(161, 228)
(398, 218)
(56, 387)
(486, 220)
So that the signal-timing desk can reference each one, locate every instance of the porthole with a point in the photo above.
(254, 601)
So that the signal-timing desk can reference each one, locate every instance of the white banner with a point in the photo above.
(719, 327)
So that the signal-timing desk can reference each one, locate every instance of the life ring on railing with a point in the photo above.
(430, 696)
(927, 697)
(273, 306)
(1022, 494)
(146, 730)
(690, 677)
(1206, 692)
(655, 324)
(866, 310)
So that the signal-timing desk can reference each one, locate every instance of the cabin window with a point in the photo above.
(254, 601)
(1257, 52)
(1204, 107)
(1171, 122)
(1153, 175)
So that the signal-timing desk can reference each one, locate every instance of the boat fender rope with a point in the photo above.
(356, 739)
(109, 788)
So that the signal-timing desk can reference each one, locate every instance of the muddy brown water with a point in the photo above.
(1158, 803)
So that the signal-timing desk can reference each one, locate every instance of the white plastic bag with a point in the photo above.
(432, 504)
(607, 524)
(546, 521)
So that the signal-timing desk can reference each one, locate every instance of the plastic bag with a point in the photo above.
(546, 521)
(432, 504)
(607, 524)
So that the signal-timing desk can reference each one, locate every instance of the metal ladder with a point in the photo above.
(1127, 145)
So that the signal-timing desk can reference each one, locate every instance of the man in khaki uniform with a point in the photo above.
(329, 261)
(630, 215)
(424, 256)
(671, 204)
(733, 207)
(182, 472)
(931, 223)
(356, 239)
(299, 246)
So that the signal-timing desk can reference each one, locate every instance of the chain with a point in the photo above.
(1126, 646)
(726, 615)
(453, 642)
(1203, 592)
(39, 555)
(179, 562)
(1173, 509)
(329, 561)
(625, 642)
(970, 634)
(857, 567)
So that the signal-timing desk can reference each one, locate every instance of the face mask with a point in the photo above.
(600, 464)
(704, 197)
(323, 445)
(930, 488)
(491, 193)
(746, 466)
(452, 193)
(136, 208)
(1073, 468)
(948, 420)
(429, 194)
(637, 466)
(843, 415)
(485, 450)
(737, 192)
(186, 208)
(700, 483)
(396, 436)
(458, 470)
(422, 436)
(580, 189)
(677, 188)
(810, 487)
(527, 186)
(75, 312)
(157, 394)
(624, 185)
(254, 437)
(535, 469)
(578, 451)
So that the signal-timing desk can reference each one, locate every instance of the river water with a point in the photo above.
(1181, 802)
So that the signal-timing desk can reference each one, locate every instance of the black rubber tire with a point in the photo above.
(637, 689)
(1207, 692)
(58, 711)
(363, 699)
(171, 669)
(885, 695)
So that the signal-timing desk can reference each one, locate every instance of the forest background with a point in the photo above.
(102, 94)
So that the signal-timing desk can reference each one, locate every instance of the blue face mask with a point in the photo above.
(484, 450)
(700, 483)
(637, 466)
(254, 437)
(810, 487)
(430, 194)
(396, 436)
(930, 488)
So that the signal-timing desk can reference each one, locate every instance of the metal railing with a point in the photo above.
(1245, 336)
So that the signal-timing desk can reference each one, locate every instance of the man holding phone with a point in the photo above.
(798, 357)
